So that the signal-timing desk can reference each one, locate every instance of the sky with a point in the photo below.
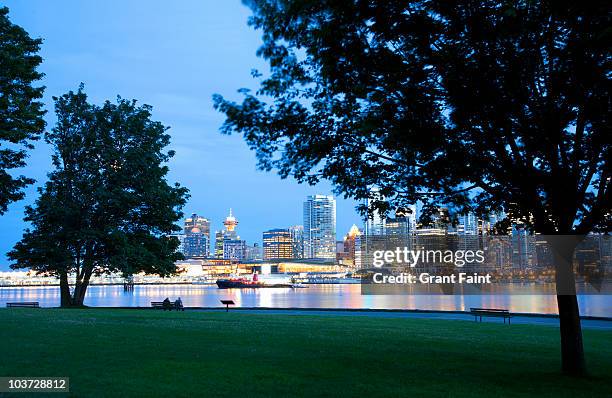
(173, 56)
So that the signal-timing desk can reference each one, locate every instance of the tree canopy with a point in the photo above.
(107, 206)
(479, 105)
(21, 114)
(475, 105)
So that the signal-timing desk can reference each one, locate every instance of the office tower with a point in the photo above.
(467, 230)
(253, 253)
(277, 244)
(351, 248)
(196, 242)
(400, 229)
(219, 244)
(523, 247)
(195, 221)
(320, 227)
(375, 224)
(234, 249)
(467, 224)
(297, 241)
(181, 239)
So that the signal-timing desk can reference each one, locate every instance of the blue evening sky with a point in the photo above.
(173, 56)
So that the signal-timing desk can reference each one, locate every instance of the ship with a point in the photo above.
(254, 283)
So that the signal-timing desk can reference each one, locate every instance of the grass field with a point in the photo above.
(161, 354)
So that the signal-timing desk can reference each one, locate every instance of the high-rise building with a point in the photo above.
(181, 239)
(468, 232)
(234, 249)
(523, 247)
(218, 244)
(195, 221)
(277, 244)
(375, 224)
(320, 227)
(196, 242)
(351, 248)
(253, 253)
(297, 241)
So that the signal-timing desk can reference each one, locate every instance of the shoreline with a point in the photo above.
(344, 310)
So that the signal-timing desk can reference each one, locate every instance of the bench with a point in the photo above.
(159, 305)
(27, 304)
(495, 312)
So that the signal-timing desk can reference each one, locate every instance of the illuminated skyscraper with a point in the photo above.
(196, 242)
(195, 221)
(234, 249)
(219, 244)
(320, 227)
(351, 248)
(253, 253)
(277, 244)
(375, 224)
(297, 241)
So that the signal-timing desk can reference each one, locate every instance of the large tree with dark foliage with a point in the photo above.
(107, 206)
(21, 114)
(478, 105)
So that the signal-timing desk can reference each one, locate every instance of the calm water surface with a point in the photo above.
(316, 296)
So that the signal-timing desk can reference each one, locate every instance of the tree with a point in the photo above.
(21, 115)
(478, 105)
(107, 206)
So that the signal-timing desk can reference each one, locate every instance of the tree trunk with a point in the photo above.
(572, 351)
(81, 289)
(65, 299)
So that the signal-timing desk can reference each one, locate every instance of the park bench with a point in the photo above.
(159, 305)
(27, 304)
(495, 312)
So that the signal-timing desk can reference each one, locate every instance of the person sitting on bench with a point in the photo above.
(178, 304)
(167, 304)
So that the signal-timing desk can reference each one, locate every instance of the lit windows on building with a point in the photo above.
(320, 227)
(297, 241)
(277, 244)
(234, 249)
(196, 241)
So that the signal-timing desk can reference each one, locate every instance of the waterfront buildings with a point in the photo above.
(277, 244)
(320, 227)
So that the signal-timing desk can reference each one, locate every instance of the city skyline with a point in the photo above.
(190, 66)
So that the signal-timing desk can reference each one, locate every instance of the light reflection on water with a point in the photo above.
(316, 296)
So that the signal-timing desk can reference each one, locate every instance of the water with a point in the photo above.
(316, 296)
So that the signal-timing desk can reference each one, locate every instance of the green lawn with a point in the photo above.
(152, 353)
